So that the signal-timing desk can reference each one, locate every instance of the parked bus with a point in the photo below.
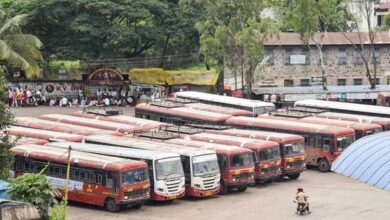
(43, 134)
(219, 109)
(200, 166)
(60, 127)
(180, 115)
(255, 106)
(165, 169)
(323, 144)
(291, 147)
(383, 99)
(94, 179)
(27, 140)
(93, 123)
(361, 129)
(384, 122)
(124, 119)
(344, 107)
(236, 164)
(265, 153)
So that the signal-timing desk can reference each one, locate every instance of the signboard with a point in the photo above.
(297, 59)
(52, 89)
(316, 80)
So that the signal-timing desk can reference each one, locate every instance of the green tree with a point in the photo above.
(6, 157)
(18, 49)
(233, 34)
(35, 189)
(312, 19)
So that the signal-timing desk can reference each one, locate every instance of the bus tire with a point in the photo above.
(294, 176)
(111, 205)
(137, 206)
(242, 188)
(323, 165)
(224, 189)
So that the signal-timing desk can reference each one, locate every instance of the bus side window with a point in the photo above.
(109, 180)
(326, 144)
(222, 161)
(98, 179)
(18, 165)
(312, 141)
(318, 141)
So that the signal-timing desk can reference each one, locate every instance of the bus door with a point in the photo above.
(311, 150)
(327, 146)
(223, 168)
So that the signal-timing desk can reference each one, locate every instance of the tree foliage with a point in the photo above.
(101, 29)
(6, 157)
(35, 189)
(233, 32)
(18, 49)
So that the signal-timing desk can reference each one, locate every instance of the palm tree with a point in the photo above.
(18, 49)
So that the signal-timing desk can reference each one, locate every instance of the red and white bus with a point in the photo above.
(291, 147)
(43, 134)
(166, 173)
(255, 106)
(94, 179)
(344, 107)
(361, 129)
(236, 164)
(93, 123)
(219, 109)
(266, 154)
(202, 177)
(384, 122)
(124, 119)
(323, 144)
(180, 115)
(60, 127)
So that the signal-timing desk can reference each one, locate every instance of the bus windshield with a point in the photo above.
(134, 176)
(344, 142)
(293, 149)
(269, 154)
(169, 168)
(205, 164)
(241, 160)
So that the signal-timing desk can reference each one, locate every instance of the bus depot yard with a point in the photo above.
(225, 158)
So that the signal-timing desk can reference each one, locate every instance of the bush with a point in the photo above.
(58, 212)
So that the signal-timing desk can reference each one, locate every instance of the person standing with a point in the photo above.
(14, 99)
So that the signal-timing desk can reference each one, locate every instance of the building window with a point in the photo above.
(357, 82)
(376, 56)
(342, 56)
(341, 82)
(379, 20)
(287, 54)
(358, 59)
(305, 82)
(324, 57)
(288, 83)
(270, 54)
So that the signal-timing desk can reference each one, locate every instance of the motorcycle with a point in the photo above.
(301, 209)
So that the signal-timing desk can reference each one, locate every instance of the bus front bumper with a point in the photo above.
(201, 193)
(158, 197)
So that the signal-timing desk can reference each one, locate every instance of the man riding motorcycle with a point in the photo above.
(301, 198)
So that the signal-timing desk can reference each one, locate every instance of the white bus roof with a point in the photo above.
(224, 99)
(360, 118)
(208, 145)
(146, 145)
(344, 106)
(114, 151)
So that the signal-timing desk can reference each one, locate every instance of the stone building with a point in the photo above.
(293, 64)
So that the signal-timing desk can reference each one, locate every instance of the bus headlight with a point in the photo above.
(235, 179)
(197, 185)
(160, 189)
(126, 197)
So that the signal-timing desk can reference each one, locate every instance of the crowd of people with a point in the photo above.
(19, 97)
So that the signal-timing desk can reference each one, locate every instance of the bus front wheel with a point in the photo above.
(137, 206)
(242, 188)
(224, 189)
(111, 205)
(294, 176)
(323, 165)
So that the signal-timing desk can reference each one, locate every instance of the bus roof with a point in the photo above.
(60, 127)
(145, 144)
(223, 99)
(355, 117)
(281, 138)
(219, 148)
(114, 151)
(289, 125)
(253, 144)
(58, 155)
(123, 119)
(27, 140)
(219, 109)
(68, 119)
(186, 112)
(341, 123)
(344, 106)
(43, 134)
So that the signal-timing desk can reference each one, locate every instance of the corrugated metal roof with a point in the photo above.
(367, 160)
(319, 90)
(329, 38)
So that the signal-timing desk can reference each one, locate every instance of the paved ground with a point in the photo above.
(332, 196)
